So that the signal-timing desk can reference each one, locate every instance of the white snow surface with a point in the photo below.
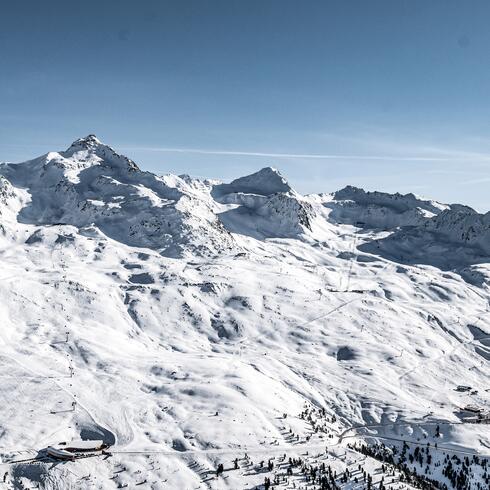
(179, 319)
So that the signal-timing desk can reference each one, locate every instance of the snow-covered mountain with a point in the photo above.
(91, 185)
(379, 209)
(189, 323)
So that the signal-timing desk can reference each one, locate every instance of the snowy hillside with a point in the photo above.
(320, 341)
(379, 209)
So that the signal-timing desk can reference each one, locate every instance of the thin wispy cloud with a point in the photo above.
(478, 180)
(313, 156)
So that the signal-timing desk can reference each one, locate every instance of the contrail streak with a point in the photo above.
(312, 156)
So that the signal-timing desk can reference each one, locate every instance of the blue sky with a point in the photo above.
(388, 95)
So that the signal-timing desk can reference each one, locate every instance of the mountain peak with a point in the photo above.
(94, 146)
(265, 182)
(88, 142)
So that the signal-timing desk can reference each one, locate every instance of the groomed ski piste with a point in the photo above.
(337, 341)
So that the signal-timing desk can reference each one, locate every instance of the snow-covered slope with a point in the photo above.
(264, 205)
(379, 209)
(189, 323)
(464, 227)
(453, 239)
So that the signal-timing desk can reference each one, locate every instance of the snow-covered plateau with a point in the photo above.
(330, 341)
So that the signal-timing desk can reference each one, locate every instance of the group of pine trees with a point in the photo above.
(317, 476)
(461, 473)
